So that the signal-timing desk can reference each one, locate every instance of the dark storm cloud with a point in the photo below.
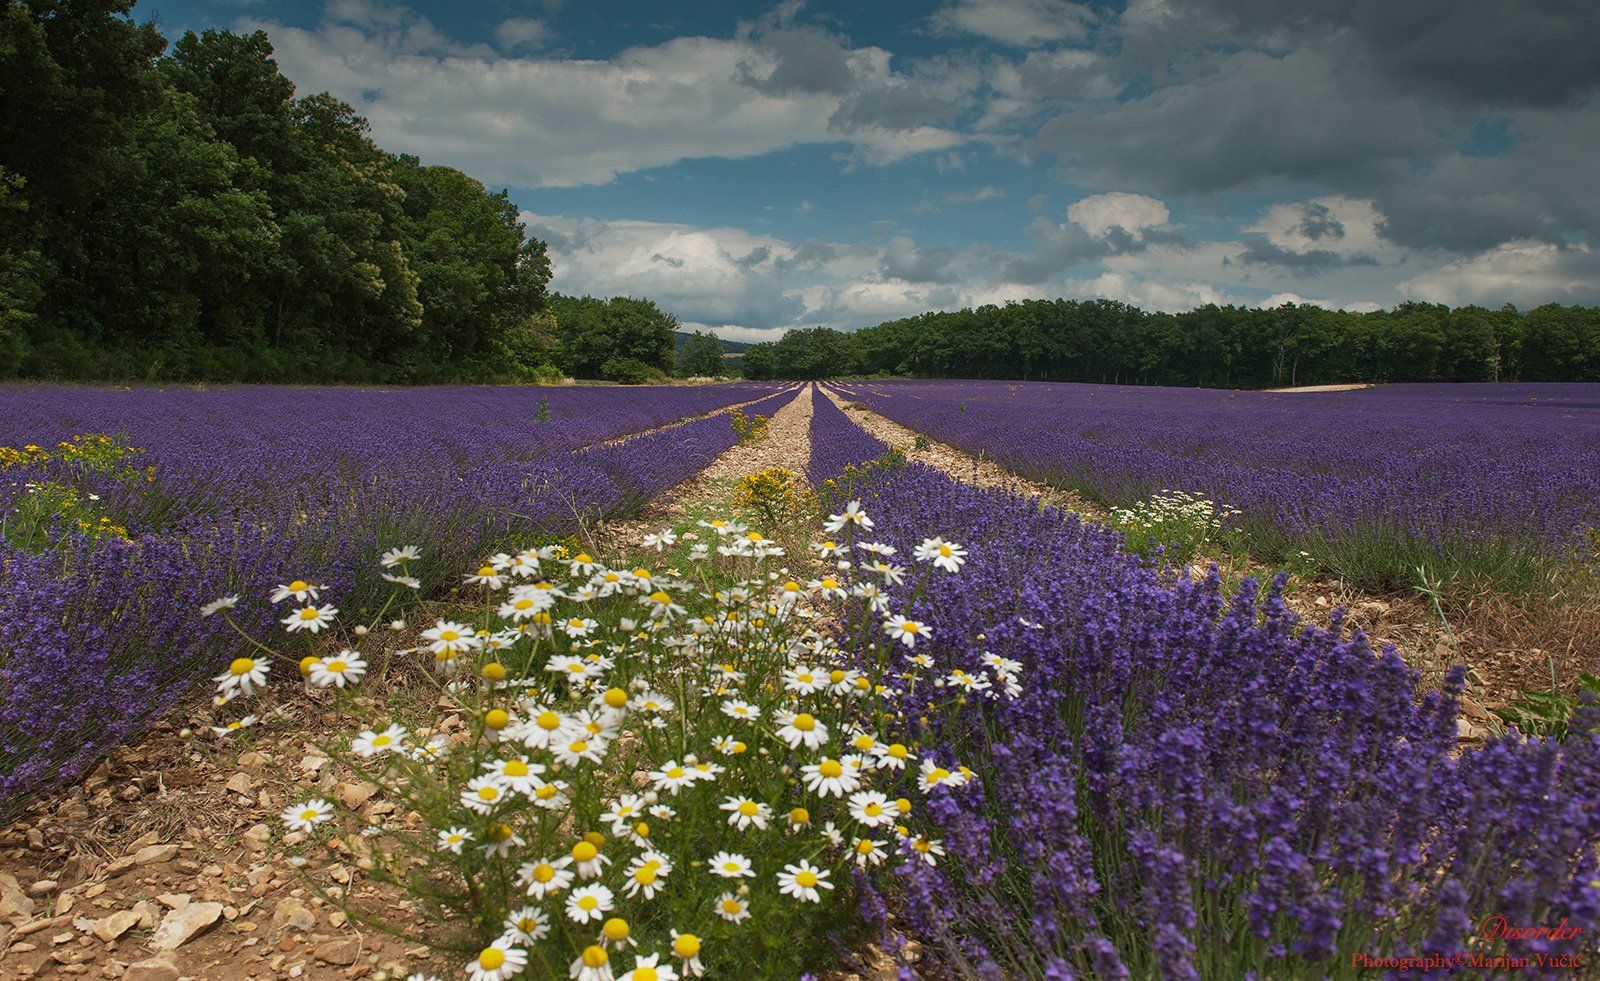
(1478, 52)
(1253, 117)
(1319, 223)
(897, 107)
(1260, 252)
(904, 259)
(1542, 188)
(1060, 247)
(808, 59)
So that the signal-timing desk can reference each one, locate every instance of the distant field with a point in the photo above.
(1472, 479)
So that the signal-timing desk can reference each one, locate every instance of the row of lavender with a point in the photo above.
(1194, 784)
(1372, 483)
(241, 488)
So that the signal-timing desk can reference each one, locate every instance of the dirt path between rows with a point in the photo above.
(678, 422)
(788, 445)
(958, 464)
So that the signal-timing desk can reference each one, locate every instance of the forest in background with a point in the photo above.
(184, 215)
(1104, 341)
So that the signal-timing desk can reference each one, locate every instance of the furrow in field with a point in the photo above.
(720, 410)
(960, 465)
(788, 445)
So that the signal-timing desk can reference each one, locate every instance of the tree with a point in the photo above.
(701, 356)
(593, 333)
(189, 217)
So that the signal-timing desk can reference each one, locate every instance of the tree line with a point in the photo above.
(1212, 346)
(184, 214)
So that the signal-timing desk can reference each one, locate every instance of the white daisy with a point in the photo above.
(306, 816)
(312, 618)
(802, 881)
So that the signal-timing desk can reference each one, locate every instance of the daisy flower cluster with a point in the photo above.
(639, 772)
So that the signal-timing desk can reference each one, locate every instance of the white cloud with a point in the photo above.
(1344, 226)
(1100, 214)
(545, 121)
(1148, 292)
(1022, 23)
(1524, 272)
(520, 32)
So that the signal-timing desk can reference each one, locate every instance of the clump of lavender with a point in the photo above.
(1195, 784)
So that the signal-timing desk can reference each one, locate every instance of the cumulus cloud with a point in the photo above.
(546, 121)
(1133, 214)
(521, 33)
(1526, 273)
(1315, 236)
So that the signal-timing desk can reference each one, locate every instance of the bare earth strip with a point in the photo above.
(960, 465)
(680, 422)
(788, 445)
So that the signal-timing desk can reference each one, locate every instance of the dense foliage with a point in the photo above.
(620, 339)
(186, 216)
(107, 546)
(1494, 482)
(1217, 347)
(700, 355)
(1193, 784)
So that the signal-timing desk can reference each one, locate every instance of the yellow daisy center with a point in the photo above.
(241, 665)
(491, 958)
(806, 878)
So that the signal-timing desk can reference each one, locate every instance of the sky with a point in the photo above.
(759, 167)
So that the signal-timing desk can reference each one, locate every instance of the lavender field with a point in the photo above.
(991, 737)
(1498, 482)
(1195, 784)
(194, 493)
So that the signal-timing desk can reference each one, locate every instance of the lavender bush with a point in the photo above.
(1494, 481)
(837, 443)
(1194, 784)
(241, 488)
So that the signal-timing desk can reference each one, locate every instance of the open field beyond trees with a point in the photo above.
(936, 679)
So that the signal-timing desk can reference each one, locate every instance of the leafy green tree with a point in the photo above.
(701, 356)
(593, 333)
